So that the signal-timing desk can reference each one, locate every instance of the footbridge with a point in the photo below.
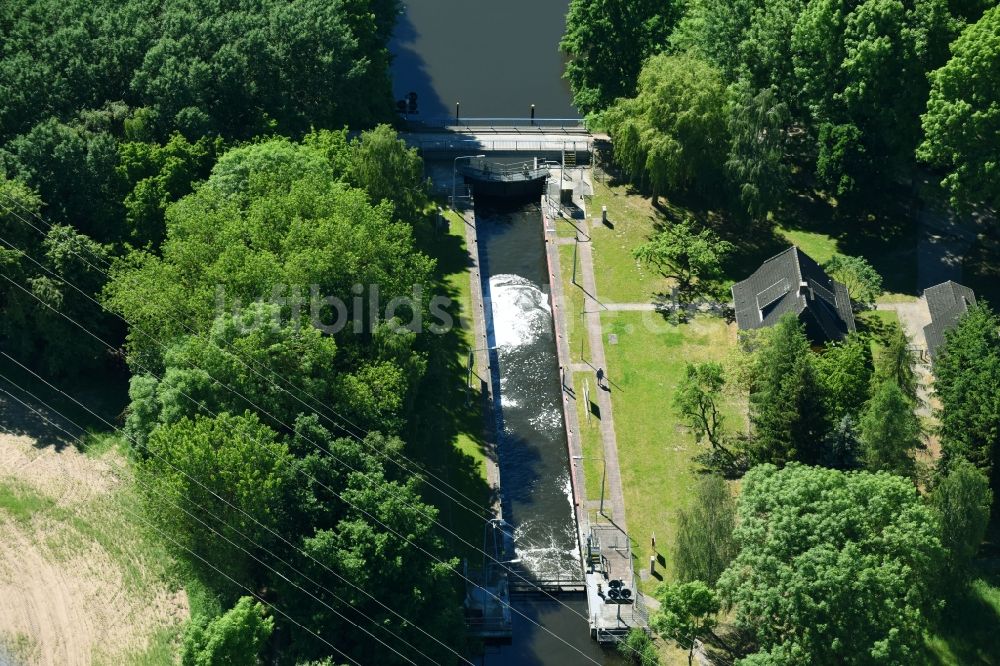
(461, 136)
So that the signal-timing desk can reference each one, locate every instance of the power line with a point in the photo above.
(308, 476)
(249, 539)
(263, 411)
(354, 430)
(347, 431)
(217, 570)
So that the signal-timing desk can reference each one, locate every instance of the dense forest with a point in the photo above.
(744, 95)
(161, 176)
(849, 542)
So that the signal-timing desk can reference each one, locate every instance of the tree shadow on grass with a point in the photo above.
(446, 413)
(51, 415)
(981, 267)
(881, 227)
(968, 627)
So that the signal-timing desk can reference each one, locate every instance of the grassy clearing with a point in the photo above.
(818, 245)
(21, 502)
(620, 279)
(876, 318)
(70, 532)
(654, 450)
(590, 433)
(576, 330)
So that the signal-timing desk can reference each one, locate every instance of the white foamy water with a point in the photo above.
(507, 401)
(521, 310)
(546, 554)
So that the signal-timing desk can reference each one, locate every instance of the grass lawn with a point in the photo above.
(877, 319)
(620, 279)
(576, 331)
(654, 450)
(590, 433)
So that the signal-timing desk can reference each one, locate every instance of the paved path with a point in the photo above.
(596, 338)
(913, 316)
(630, 307)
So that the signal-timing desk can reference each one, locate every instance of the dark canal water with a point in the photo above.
(498, 58)
(534, 474)
(495, 57)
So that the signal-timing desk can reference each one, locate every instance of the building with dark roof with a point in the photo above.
(792, 282)
(946, 302)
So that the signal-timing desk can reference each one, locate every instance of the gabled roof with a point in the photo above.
(792, 282)
(946, 302)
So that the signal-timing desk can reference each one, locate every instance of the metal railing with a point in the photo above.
(451, 122)
(499, 146)
(500, 171)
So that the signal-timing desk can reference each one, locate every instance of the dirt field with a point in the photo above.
(79, 581)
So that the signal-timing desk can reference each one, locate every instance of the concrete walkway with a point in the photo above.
(913, 316)
(614, 496)
(481, 371)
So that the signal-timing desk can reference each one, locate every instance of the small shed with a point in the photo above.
(946, 303)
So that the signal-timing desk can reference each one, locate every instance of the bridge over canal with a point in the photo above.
(539, 136)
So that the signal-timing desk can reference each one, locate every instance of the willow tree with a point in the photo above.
(672, 135)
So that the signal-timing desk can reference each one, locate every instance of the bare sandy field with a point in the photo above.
(79, 581)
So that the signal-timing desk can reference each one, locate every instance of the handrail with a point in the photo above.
(461, 121)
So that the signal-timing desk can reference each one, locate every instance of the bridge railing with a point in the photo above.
(500, 146)
(468, 124)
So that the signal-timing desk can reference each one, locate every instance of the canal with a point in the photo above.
(531, 441)
(496, 58)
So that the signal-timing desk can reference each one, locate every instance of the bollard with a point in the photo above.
(604, 214)
(652, 565)
(652, 540)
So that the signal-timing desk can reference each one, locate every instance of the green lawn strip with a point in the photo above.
(568, 228)
(590, 433)
(620, 279)
(895, 297)
(654, 450)
(446, 432)
(576, 331)
(878, 317)
(820, 246)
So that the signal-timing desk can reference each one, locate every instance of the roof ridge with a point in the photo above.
(798, 267)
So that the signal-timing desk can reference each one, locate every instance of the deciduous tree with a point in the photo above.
(687, 611)
(672, 135)
(705, 544)
(962, 499)
(833, 567)
(236, 637)
(863, 282)
(962, 121)
(682, 252)
(607, 41)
